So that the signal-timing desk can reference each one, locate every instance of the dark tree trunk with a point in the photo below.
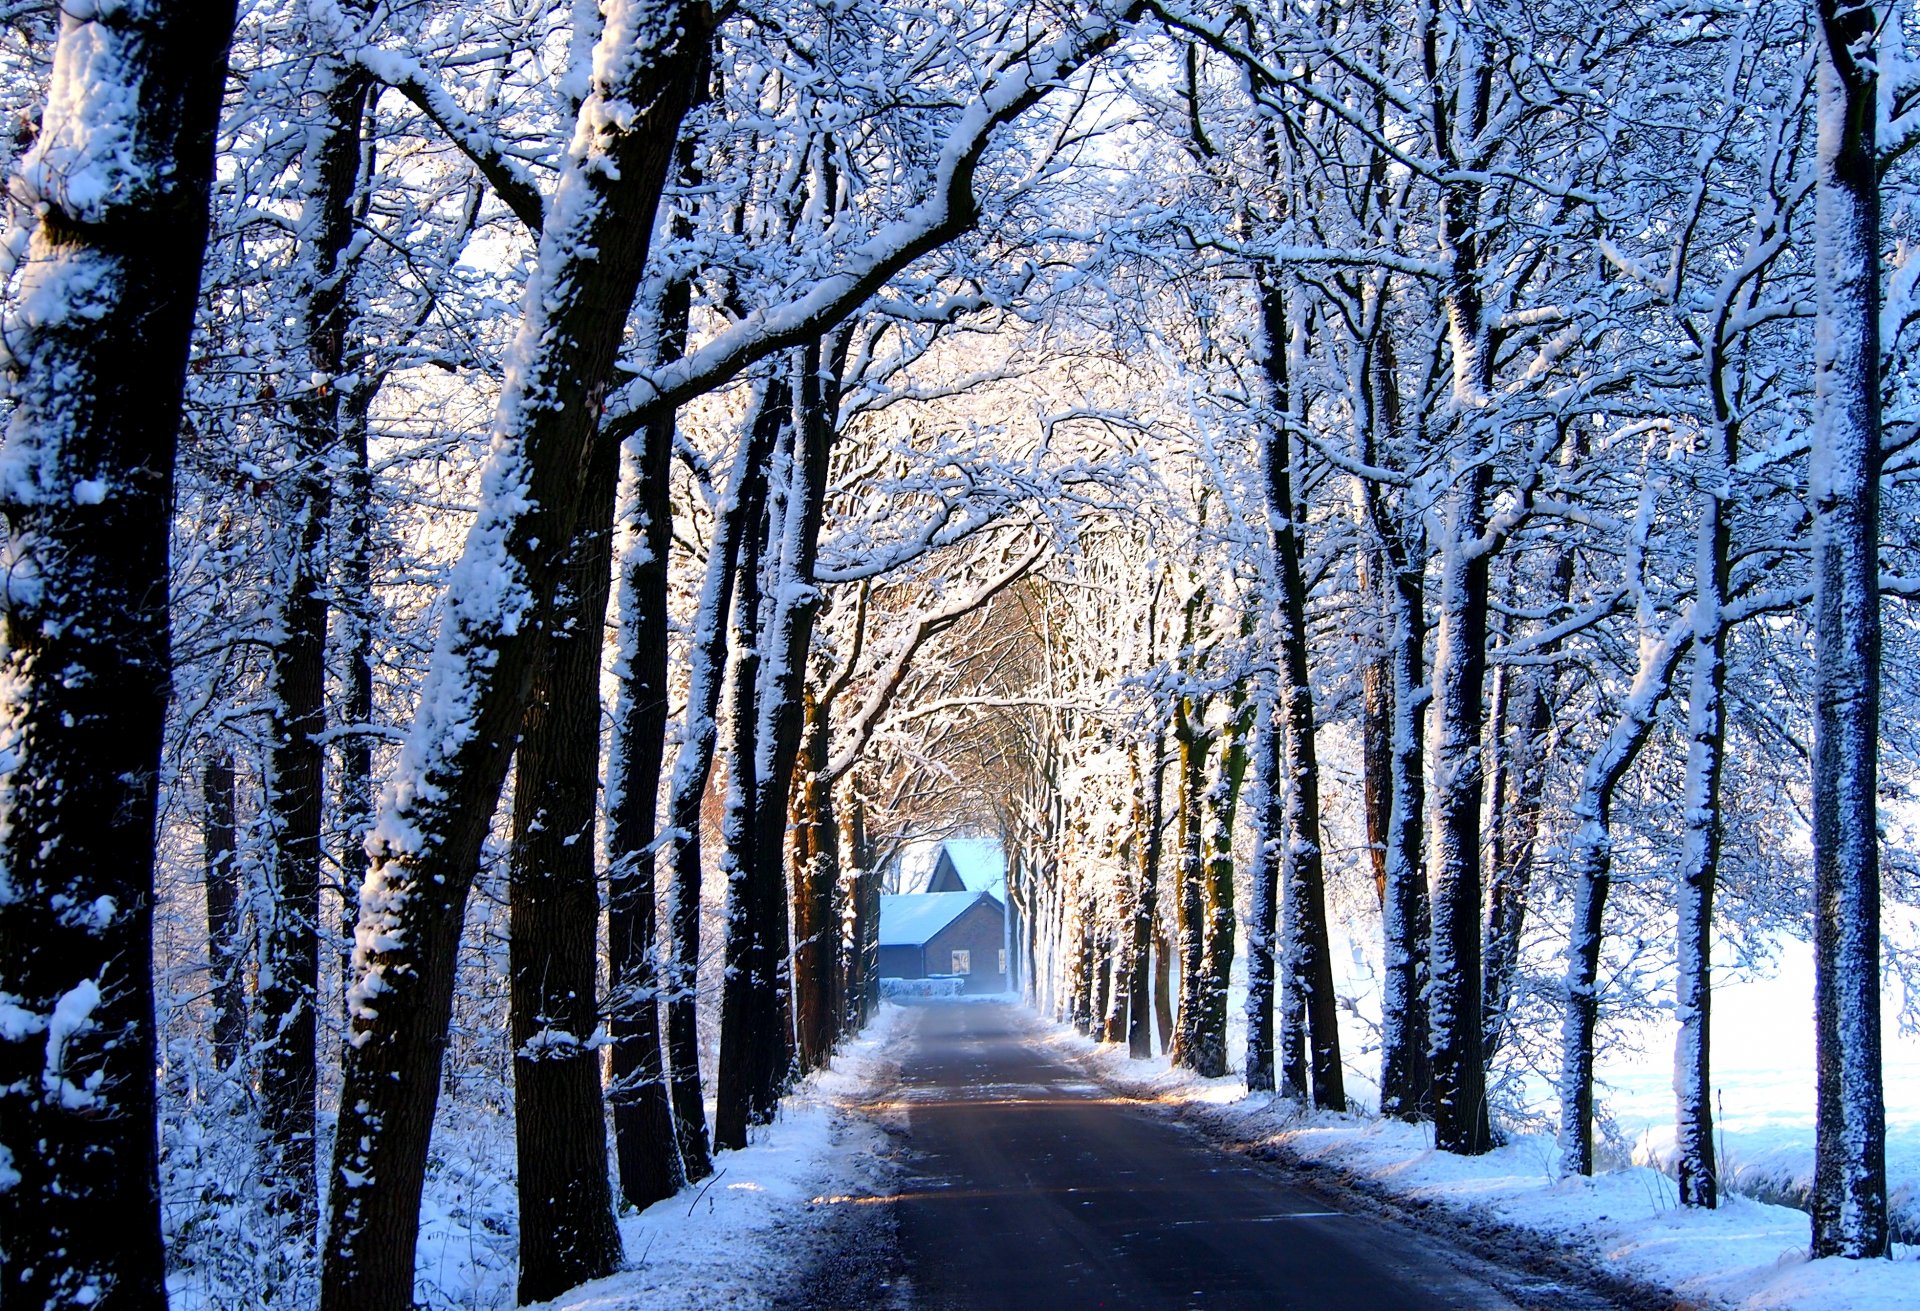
(749, 967)
(816, 865)
(1523, 775)
(567, 1233)
(427, 845)
(863, 933)
(95, 377)
(353, 558)
(1405, 1075)
(1150, 793)
(1223, 803)
(1696, 1172)
(643, 1125)
(737, 521)
(1263, 905)
(1099, 983)
(288, 997)
(1457, 1032)
(1163, 1021)
(1191, 920)
(1306, 955)
(226, 986)
(1376, 764)
(1850, 1175)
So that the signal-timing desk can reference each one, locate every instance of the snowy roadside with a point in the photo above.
(1625, 1223)
(742, 1238)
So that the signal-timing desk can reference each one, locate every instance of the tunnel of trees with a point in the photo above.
(515, 512)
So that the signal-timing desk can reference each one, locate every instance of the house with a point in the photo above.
(933, 934)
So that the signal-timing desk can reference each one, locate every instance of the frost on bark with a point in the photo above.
(1304, 956)
(426, 846)
(1696, 1172)
(1849, 1200)
(1459, 669)
(97, 337)
(1263, 906)
(567, 1232)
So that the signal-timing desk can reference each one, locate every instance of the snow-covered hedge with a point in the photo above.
(947, 987)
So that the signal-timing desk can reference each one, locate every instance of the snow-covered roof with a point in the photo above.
(980, 863)
(911, 919)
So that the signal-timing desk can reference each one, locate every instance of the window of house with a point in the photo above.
(1001, 968)
(963, 962)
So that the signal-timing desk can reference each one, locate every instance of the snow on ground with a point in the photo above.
(746, 1235)
(1747, 1254)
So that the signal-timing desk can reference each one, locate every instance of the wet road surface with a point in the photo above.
(1028, 1186)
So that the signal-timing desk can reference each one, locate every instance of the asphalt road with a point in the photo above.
(1029, 1187)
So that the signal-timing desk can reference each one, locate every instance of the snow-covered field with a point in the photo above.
(1747, 1254)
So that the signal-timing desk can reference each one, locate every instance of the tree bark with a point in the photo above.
(1151, 801)
(1190, 920)
(1263, 905)
(1696, 1173)
(645, 1140)
(288, 996)
(816, 866)
(737, 519)
(1850, 1178)
(1222, 804)
(224, 952)
(426, 846)
(119, 177)
(567, 1231)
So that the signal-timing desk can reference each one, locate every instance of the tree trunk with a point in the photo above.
(1191, 920)
(737, 520)
(1456, 1032)
(1222, 804)
(1405, 1075)
(224, 955)
(1591, 873)
(353, 589)
(288, 996)
(1150, 796)
(643, 1129)
(1850, 1177)
(118, 177)
(1459, 670)
(645, 1136)
(1695, 1171)
(816, 866)
(749, 967)
(567, 1232)
(1163, 1021)
(427, 843)
(1263, 904)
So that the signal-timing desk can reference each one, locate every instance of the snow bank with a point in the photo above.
(1747, 1254)
(749, 1233)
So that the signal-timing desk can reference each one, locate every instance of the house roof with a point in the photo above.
(912, 919)
(980, 863)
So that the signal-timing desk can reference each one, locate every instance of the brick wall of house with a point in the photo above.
(981, 932)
